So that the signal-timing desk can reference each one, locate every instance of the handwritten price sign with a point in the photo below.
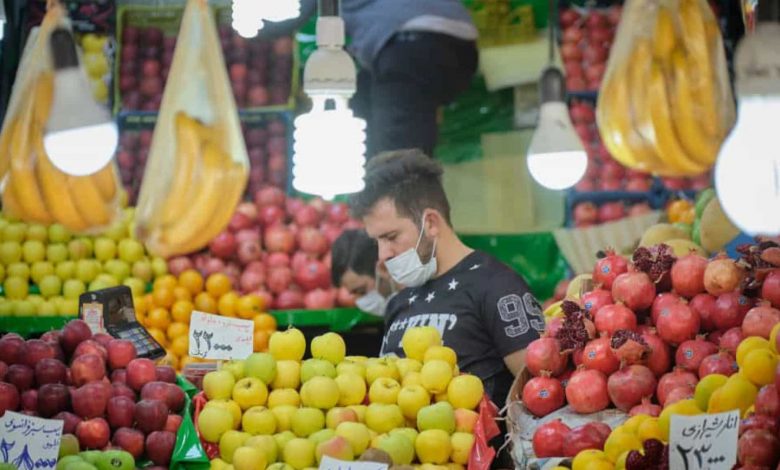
(329, 463)
(217, 337)
(29, 443)
(706, 441)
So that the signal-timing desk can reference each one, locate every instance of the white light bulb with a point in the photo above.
(556, 158)
(249, 15)
(747, 173)
(329, 150)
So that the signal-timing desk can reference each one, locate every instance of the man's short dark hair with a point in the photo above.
(353, 250)
(409, 179)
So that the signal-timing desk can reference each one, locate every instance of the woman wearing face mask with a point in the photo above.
(354, 266)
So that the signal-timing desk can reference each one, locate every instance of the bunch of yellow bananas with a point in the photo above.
(207, 185)
(665, 106)
(34, 190)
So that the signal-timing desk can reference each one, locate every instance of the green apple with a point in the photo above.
(115, 460)
(50, 286)
(90, 456)
(258, 420)
(287, 345)
(283, 396)
(79, 249)
(116, 232)
(352, 389)
(284, 415)
(32, 251)
(384, 390)
(461, 447)
(16, 288)
(336, 447)
(213, 422)
(69, 445)
(37, 232)
(322, 435)
(41, 269)
(261, 366)
(15, 232)
(316, 367)
(105, 249)
(307, 421)
(329, 347)
(65, 270)
(282, 438)
(382, 417)
(218, 385)
(279, 466)
(249, 458)
(406, 365)
(351, 367)
(288, 374)
(411, 399)
(409, 433)
(433, 446)
(235, 367)
(117, 268)
(267, 444)
(381, 367)
(56, 253)
(356, 433)
(299, 453)
(58, 233)
(437, 416)
(320, 392)
(65, 461)
(229, 442)
(338, 415)
(465, 391)
(10, 252)
(142, 269)
(130, 250)
(159, 266)
(436, 375)
(20, 269)
(87, 270)
(249, 392)
(398, 446)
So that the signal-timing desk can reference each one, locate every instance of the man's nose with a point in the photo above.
(385, 253)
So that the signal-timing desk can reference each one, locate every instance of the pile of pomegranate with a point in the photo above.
(278, 247)
(588, 214)
(650, 330)
(587, 39)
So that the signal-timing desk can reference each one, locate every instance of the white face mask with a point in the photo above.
(408, 270)
(374, 302)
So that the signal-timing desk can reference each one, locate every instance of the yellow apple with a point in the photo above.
(411, 399)
(455, 466)
(218, 384)
(213, 422)
(382, 418)
(461, 447)
(384, 390)
(283, 415)
(351, 367)
(249, 458)
(258, 420)
(322, 435)
(307, 421)
(317, 368)
(361, 412)
(219, 464)
(235, 367)
(356, 433)
(439, 397)
(465, 420)
(352, 389)
(229, 442)
(338, 415)
(288, 375)
(287, 345)
(409, 432)
(430, 466)
(330, 347)
(417, 340)
(381, 367)
(398, 446)
(360, 359)
(249, 392)
(412, 378)
(267, 444)
(438, 416)
(282, 439)
(279, 466)
(261, 366)
(299, 453)
(465, 391)
(230, 406)
(283, 396)
(406, 366)
(436, 375)
(433, 446)
(336, 447)
(442, 353)
(320, 392)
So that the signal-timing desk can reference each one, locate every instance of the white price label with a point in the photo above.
(28, 442)
(707, 441)
(329, 463)
(220, 338)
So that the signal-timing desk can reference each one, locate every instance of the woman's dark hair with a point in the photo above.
(353, 250)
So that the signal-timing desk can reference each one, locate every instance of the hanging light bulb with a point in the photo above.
(747, 172)
(329, 149)
(81, 136)
(249, 16)
(3, 19)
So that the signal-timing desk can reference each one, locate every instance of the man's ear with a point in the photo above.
(434, 223)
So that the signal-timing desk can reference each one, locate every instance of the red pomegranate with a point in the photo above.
(690, 353)
(598, 355)
(704, 305)
(543, 395)
(661, 301)
(678, 394)
(679, 377)
(608, 268)
(760, 320)
(548, 439)
(677, 323)
(722, 276)
(721, 363)
(614, 317)
(660, 358)
(587, 391)
(545, 354)
(595, 299)
(635, 290)
(770, 289)
(759, 448)
(768, 401)
(628, 386)
(587, 436)
(688, 275)
(731, 339)
(646, 408)
(312, 275)
(730, 310)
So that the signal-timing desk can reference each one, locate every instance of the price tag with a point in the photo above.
(707, 441)
(92, 314)
(218, 337)
(27, 442)
(329, 463)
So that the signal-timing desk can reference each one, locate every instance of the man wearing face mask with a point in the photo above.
(354, 266)
(482, 309)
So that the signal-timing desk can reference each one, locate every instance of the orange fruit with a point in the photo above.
(265, 322)
(158, 318)
(218, 284)
(227, 304)
(169, 360)
(167, 280)
(205, 303)
(180, 346)
(139, 303)
(149, 301)
(248, 306)
(163, 297)
(192, 281)
(158, 335)
(181, 311)
(261, 341)
(181, 293)
(177, 329)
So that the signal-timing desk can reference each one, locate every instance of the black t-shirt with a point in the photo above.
(482, 309)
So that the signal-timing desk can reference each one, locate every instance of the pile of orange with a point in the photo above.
(166, 311)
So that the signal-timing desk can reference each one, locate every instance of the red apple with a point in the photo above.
(271, 215)
(3, 370)
(611, 211)
(151, 68)
(53, 399)
(93, 434)
(140, 372)
(239, 221)
(258, 96)
(10, 345)
(159, 447)
(130, 440)
(50, 371)
(30, 400)
(120, 412)
(90, 400)
(119, 376)
(9, 398)
(173, 423)
(585, 212)
(269, 196)
(70, 421)
(87, 368)
(21, 376)
(151, 415)
(35, 350)
(166, 374)
(91, 346)
(248, 235)
(120, 353)
(122, 390)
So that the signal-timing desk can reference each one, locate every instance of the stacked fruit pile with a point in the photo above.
(291, 412)
(97, 62)
(166, 311)
(587, 39)
(279, 249)
(64, 266)
(131, 157)
(97, 386)
(587, 214)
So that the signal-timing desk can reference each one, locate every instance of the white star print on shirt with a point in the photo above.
(412, 299)
(453, 284)
(475, 267)
(430, 297)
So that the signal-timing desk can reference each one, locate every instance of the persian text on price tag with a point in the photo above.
(707, 441)
(218, 337)
(329, 463)
(28, 442)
